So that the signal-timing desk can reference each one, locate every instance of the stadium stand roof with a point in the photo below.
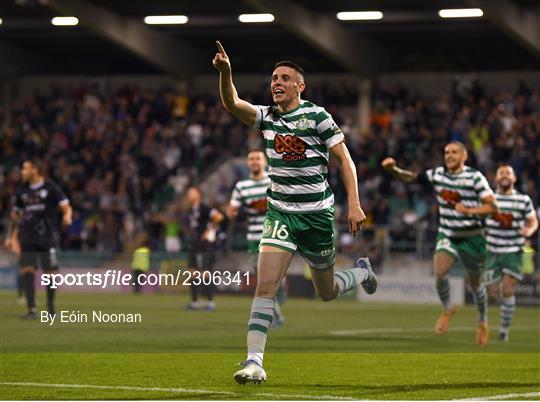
(410, 37)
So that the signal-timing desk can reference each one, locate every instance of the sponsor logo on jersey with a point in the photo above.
(258, 205)
(35, 207)
(291, 148)
(450, 197)
(503, 219)
(327, 252)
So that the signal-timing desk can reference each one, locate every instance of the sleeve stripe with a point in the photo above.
(324, 125)
(335, 140)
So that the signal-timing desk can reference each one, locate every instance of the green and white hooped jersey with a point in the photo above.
(502, 228)
(251, 194)
(297, 145)
(467, 187)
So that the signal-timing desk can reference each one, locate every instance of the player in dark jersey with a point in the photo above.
(35, 221)
(201, 225)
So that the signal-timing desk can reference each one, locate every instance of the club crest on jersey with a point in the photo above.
(43, 193)
(303, 123)
(292, 148)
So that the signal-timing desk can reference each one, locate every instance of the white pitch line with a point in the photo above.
(122, 387)
(364, 331)
(501, 397)
(178, 390)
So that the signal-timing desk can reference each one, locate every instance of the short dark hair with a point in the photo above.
(294, 66)
(505, 164)
(37, 164)
(459, 144)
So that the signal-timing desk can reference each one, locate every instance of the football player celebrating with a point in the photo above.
(299, 137)
(463, 195)
(506, 232)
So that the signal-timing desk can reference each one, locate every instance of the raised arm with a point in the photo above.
(389, 164)
(348, 172)
(241, 109)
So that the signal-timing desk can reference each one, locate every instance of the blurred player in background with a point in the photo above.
(201, 228)
(140, 263)
(298, 136)
(463, 195)
(34, 220)
(505, 236)
(251, 195)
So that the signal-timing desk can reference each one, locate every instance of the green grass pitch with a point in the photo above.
(338, 350)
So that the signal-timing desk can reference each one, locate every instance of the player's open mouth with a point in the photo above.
(279, 92)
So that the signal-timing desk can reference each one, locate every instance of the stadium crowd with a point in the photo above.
(114, 153)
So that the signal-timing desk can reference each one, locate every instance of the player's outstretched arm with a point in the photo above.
(241, 109)
(389, 164)
(356, 215)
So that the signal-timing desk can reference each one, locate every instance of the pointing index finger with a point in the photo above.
(220, 48)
